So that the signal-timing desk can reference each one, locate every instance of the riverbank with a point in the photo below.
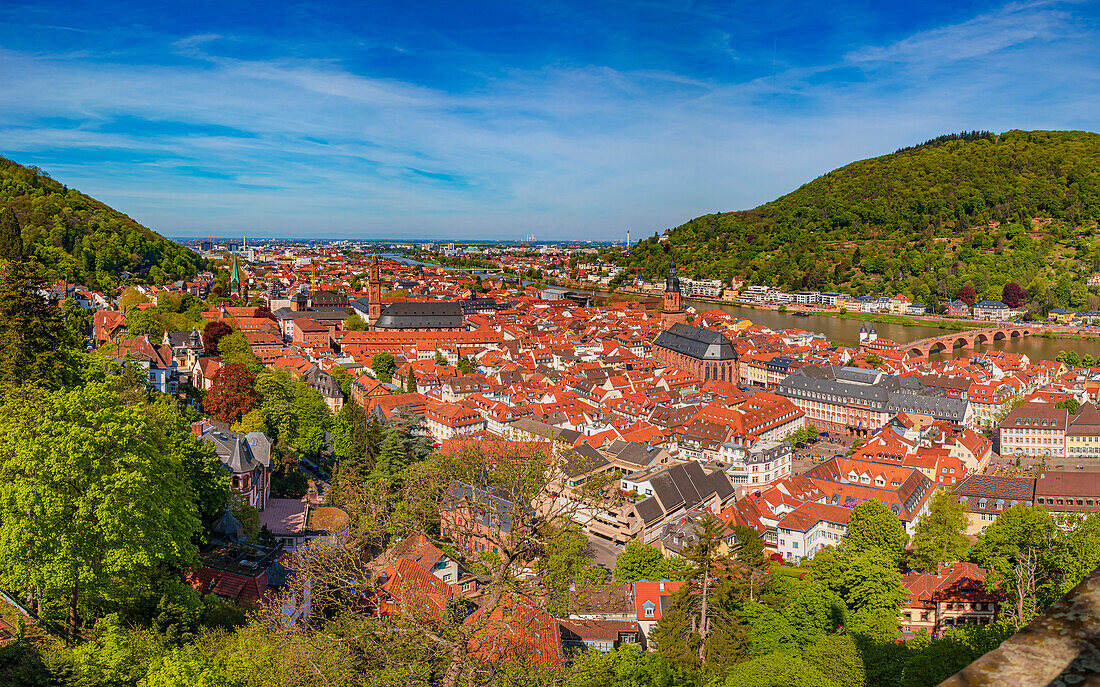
(909, 320)
(880, 318)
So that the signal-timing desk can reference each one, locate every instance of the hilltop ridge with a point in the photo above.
(973, 208)
(82, 240)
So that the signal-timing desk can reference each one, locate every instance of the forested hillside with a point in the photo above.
(80, 239)
(962, 209)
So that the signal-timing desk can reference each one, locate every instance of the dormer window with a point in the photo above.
(648, 609)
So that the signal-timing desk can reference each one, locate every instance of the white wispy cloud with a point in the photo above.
(570, 150)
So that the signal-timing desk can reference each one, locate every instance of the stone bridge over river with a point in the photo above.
(969, 339)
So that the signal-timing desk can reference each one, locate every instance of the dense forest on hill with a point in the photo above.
(80, 239)
(972, 208)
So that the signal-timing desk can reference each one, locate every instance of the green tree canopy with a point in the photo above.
(874, 526)
(75, 464)
(235, 348)
(383, 365)
(11, 236)
(35, 342)
(355, 323)
(393, 458)
(638, 561)
(939, 538)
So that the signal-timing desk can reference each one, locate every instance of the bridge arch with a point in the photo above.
(982, 338)
(937, 347)
(999, 336)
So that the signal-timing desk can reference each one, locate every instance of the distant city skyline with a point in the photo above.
(481, 121)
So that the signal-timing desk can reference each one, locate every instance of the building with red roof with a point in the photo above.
(951, 596)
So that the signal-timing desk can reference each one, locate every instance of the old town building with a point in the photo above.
(947, 598)
(704, 353)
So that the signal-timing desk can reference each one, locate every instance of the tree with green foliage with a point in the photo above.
(439, 359)
(750, 554)
(355, 323)
(872, 589)
(869, 583)
(567, 566)
(932, 662)
(803, 435)
(815, 612)
(638, 561)
(232, 395)
(356, 441)
(205, 476)
(340, 374)
(78, 320)
(253, 421)
(874, 526)
(383, 366)
(35, 342)
(939, 539)
(189, 665)
(777, 670)
(839, 657)
(410, 384)
(11, 236)
(1070, 358)
(130, 299)
(392, 460)
(72, 461)
(296, 414)
(1033, 559)
(626, 666)
(1071, 404)
(706, 553)
(465, 366)
(235, 348)
(673, 635)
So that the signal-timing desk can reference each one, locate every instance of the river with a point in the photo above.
(845, 332)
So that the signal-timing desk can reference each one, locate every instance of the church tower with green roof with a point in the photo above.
(235, 286)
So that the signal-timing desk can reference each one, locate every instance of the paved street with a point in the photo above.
(603, 552)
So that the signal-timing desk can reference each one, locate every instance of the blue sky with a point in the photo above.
(577, 119)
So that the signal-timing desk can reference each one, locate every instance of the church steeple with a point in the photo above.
(235, 278)
(672, 282)
(374, 292)
(673, 310)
